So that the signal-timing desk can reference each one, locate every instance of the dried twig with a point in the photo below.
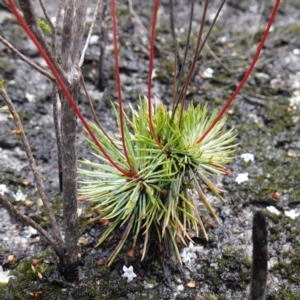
(216, 58)
(46, 14)
(25, 59)
(172, 24)
(32, 164)
(58, 16)
(53, 32)
(181, 68)
(30, 18)
(89, 35)
(93, 111)
(11, 209)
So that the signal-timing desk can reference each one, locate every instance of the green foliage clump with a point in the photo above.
(158, 200)
(44, 26)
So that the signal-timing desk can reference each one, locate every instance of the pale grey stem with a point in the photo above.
(54, 98)
(89, 35)
(53, 33)
(58, 16)
(79, 25)
(67, 35)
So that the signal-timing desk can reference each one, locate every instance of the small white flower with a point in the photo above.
(94, 39)
(29, 231)
(273, 210)
(296, 51)
(242, 177)
(4, 278)
(292, 214)
(180, 288)
(295, 99)
(187, 256)
(188, 253)
(3, 189)
(247, 157)
(154, 73)
(30, 97)
(19, 196)
(128, 272)
(208, 73)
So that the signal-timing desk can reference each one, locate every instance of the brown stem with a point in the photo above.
(189, 76)
(30, 18)
(181, 69)
(93, 111)
(53, 32)
(172, 25)
(32, 164)
(27, 220)
(102, 42)
(25, 59)
(46, 14)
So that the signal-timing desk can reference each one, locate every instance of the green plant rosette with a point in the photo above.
(159, 200)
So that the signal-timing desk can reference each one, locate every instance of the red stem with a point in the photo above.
(63, 86)
(117, 71)
(151, 56)
(260, 46)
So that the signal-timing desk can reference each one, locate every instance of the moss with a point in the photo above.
(227, 251)
(247, 261)
(6, 67)
(26, 281)
(210, 297)
(151, 281)
(287, 292)
(98, 283)
(289, 270)
(293, 29)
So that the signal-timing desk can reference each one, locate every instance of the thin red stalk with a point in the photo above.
(63, 86)
(260, 46)
(151, 56)
(117, 71)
